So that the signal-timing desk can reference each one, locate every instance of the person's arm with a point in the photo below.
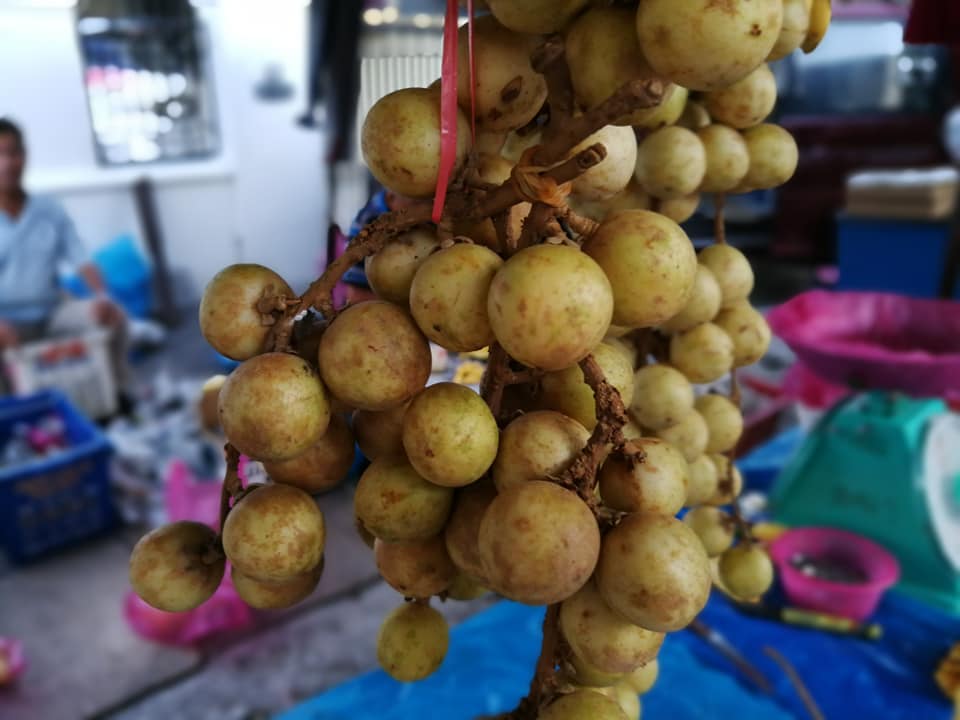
(105, 311)
(94, 279)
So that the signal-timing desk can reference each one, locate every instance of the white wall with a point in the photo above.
(262, 200)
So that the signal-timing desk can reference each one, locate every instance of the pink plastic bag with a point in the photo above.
(875, 340)
(189, 498)
(224, 612)
(12, 660)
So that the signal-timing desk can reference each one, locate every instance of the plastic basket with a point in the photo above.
(78, 366)
(875, 340)
(51, 502)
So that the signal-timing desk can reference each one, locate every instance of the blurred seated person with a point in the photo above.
(355, 279)
(37, 237)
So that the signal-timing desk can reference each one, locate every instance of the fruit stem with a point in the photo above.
(545, 680)
(791, 672)
(719, 226)
(583, 226)
(385, 228)
(545, 675)
(232, 484)
(631, 96)
(550, 60)
(534, 225)
(581, 475)
(495, 379)
(506, 242)
(727, 484)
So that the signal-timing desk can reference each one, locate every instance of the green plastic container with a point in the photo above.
(873, 466)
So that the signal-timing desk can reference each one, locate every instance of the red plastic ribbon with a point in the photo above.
(473, 73)
(448, 109)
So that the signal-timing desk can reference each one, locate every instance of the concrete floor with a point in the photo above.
(85, 662)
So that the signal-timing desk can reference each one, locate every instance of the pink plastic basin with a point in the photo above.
(875, 340)
(853, 600)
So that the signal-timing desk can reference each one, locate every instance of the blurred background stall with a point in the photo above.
(178, 137)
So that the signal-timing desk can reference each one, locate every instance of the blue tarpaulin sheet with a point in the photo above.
(492, 656)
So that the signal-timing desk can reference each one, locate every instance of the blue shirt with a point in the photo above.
(33, 247)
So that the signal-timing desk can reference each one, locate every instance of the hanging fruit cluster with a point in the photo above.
(586, 134)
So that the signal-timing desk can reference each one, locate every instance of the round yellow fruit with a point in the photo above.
(704, 481)
(707, 45)
(274, 534)
(536, 17)
(603, 53)
(450, 435)
(612, 175)
(669, 111)
(583, 704)
(680, 209)
(746, 103)
(274, 407)
(415, 568)
(549, 306)
(713, 526)
(567, 392)
(732, 271)
(174, 568)
(448, 297)
(390, 272)
(508, 92)
(728, 159)
(229, 318)
(394, 503)
(322, 467)
(412, 642)
(650, 263)
(796, 24)
(643, 679)
(662, 396)
(603, 639)
(374, 357)
(400, 141)
(276, 595)
(703, 305)
(462, 532)
(654, 571)
(689, 436)
(537, 445)
(773, 156)
(380, 434)
(729, 481)
(671, 163)
(749, 331)
(519, 537)
(746, 571)
(633, 197)
(724, 422)
(655, 484)
(704, 354)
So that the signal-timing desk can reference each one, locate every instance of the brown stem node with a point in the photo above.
(634, 95)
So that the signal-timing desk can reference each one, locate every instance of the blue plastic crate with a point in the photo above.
(899, 256)
(52, 502)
